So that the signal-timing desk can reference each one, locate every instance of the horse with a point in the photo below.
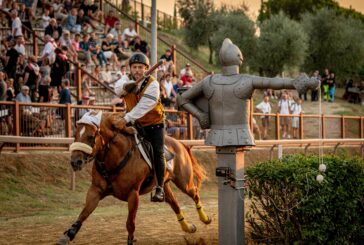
(120, 170)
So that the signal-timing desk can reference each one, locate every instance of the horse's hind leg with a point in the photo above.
(92, 200)
(172, 201)
(192, 191)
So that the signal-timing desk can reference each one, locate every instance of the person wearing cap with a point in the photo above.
(185, 70)
(145, 109)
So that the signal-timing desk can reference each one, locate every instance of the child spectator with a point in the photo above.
(44, 82)
(265, 108)
(284, 109)
(65, 94)
(296, 109)
(331, 84)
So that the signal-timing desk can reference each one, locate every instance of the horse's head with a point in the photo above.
(88, 141)
(94, 131)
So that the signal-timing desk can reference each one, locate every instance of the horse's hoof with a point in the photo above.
(208, 221)
(131, 242)
(63, 240)
(192, 228)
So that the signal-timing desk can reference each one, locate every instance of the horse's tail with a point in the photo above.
(198, 170)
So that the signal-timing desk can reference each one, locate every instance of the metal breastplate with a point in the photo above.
(229, 110)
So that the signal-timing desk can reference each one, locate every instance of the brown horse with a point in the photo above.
(120, 170)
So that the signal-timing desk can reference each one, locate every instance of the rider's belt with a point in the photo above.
(155, 126)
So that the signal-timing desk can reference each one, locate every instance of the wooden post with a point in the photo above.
(190, 127)
(164, 20)
(35, 44)
(143, 18)
(17, 124)
(101, 5)
(136, 26)
(343, 126)
(114, 108)
(323, 126)
(174, 57)
(278, 130)
(301, 126)
(361, 127)
(68, 121)
(78, 81)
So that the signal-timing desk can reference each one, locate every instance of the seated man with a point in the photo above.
(143, 106)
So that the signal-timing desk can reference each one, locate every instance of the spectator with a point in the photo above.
(284, 109)
(185, 70)
(110, 21)
(187, 79)
(11, 59)
(19, 73)
(3, 87)
(105, 75)
(48, 50)
(65, 94)
(32, 76)
(67, 5)
(115, 30)
(170, 94)
(177, 86)
(44, 82)
(26, 16)
(20, 46)
(84, 52)
(167, 56)
(66, 41)
(314, 92)
(138, 45)
(129, 33)
(16, 26)
(296, 109)
(23, 96)
(265, 108)
(59, 67)
(108, 47)
(96, 52)
(58, 10)
(71, 22)
(45, 19)
(10, 93)
(52, 28)
(325, 85)
(331, 84)
(122, 51)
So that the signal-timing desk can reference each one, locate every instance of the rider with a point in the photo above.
(144, 107)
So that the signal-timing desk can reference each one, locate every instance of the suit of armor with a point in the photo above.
(221, 102)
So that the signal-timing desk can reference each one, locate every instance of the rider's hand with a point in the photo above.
(119, 122)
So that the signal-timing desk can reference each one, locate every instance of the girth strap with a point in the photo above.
(109, 174)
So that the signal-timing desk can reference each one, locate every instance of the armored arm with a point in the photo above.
(186, 100)
(302, 83)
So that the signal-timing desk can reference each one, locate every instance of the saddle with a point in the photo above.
(146, 149)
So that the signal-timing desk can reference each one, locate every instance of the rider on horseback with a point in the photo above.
(144, 107)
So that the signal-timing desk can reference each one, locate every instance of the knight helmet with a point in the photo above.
(230, 57)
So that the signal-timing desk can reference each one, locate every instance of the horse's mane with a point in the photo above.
(108, 126)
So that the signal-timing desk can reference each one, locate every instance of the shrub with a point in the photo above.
(288, 205)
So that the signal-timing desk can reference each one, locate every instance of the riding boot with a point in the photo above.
(158, 195)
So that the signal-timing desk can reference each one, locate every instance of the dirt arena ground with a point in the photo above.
(37, 205)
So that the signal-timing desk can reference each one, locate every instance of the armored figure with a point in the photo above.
(220, 101)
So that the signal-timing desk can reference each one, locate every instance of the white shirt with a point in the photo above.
(296, 109)
(168, 85)
(284, 107)
(16, 24)
(264, 107)
(45, 21)
(129, 33)
(48, 49)
(20, 48)
(147, 102)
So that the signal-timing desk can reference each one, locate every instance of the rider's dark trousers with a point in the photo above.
(155, 135)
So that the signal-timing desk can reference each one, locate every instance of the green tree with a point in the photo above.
(282, 44)
(237, 26)
(199, 23)
(335, 42)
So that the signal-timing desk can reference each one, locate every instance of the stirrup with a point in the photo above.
(152, 199)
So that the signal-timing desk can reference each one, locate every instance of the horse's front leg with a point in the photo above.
(92, 200)
(133, 203)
